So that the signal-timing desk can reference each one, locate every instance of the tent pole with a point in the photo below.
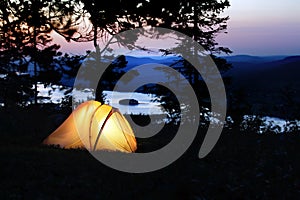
(101, 129)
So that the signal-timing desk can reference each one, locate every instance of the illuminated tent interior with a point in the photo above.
(94, 126)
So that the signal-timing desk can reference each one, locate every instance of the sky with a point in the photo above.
(263, 27)
(256, 27)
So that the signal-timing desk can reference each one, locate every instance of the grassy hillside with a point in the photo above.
(243, 165)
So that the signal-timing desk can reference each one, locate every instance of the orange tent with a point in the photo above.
(95, 127)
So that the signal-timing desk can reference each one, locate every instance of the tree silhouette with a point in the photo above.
(25, 38)
(26, 26)
(111, 75)
(200, 20)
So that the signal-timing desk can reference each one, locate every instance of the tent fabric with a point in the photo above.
(94, 126)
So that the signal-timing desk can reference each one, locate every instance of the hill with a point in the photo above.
(267, 85)
(252, 59)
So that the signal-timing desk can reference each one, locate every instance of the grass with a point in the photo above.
(241, 166)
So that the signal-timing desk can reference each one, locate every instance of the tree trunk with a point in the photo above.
(35, 67)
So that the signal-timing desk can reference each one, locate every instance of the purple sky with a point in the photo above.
(256, 27)
(263, 27)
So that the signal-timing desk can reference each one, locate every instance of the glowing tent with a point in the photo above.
(95, 127)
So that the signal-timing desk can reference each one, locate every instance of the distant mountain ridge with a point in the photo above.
(265, 81)
(253, 59)
(241, 63)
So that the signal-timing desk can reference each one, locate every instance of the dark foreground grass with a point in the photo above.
(241, 166)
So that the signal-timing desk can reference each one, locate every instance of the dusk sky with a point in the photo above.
(256, 27)
(263, 27)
